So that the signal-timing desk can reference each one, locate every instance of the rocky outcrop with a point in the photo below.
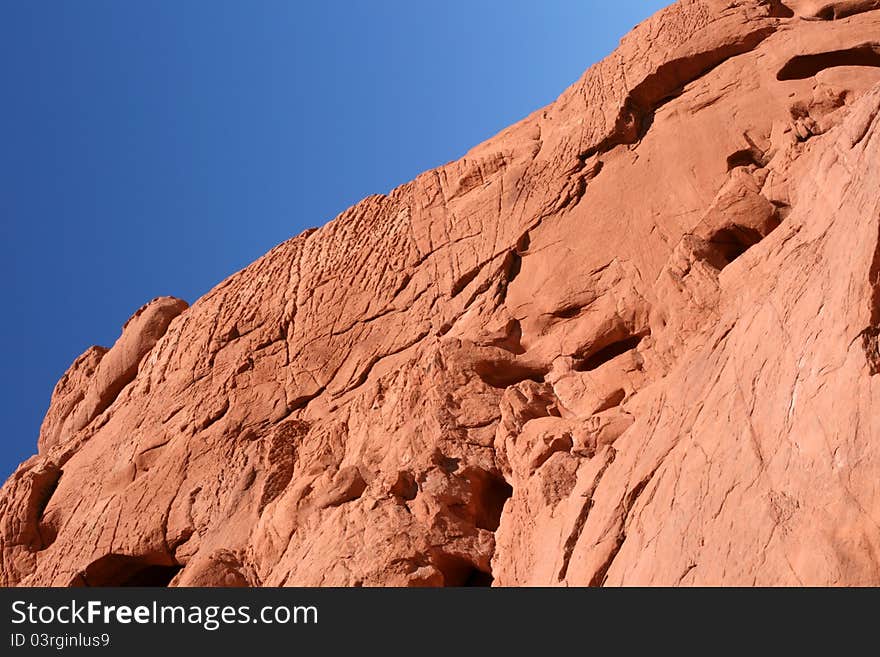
(98, 376)
(632, 339)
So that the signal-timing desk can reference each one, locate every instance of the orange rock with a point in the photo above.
(632, 339)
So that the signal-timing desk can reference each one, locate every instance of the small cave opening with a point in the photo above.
(512, 266)
(807, 66)
(489, 494)
(478, 578)
(44, 485)
(505, 373)
(747, 157)
(124, 570)
(405, 488)
(610, 352)
(836, 11)
(568, 312)
(827, 13)
(461, 572)
(637, 114)
(727, 244)
(779, 9)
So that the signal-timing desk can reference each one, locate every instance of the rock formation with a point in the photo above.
(631, 340)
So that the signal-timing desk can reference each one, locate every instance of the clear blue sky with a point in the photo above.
(153, 148)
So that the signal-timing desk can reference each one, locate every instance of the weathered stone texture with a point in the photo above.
(632, 339)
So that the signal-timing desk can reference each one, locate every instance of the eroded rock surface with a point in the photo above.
(632, 339)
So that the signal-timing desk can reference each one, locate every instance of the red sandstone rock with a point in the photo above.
(632, 339)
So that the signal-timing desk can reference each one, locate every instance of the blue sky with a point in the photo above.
(154, 148)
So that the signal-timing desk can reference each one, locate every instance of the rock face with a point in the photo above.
(632, 339)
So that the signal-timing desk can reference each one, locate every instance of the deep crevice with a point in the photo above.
(807, 66)
(302, 401)
(465, 280)
(601, 575)
(874, 282)
(512, 266)
(582, 517)
(45, 488)
(214, 416)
